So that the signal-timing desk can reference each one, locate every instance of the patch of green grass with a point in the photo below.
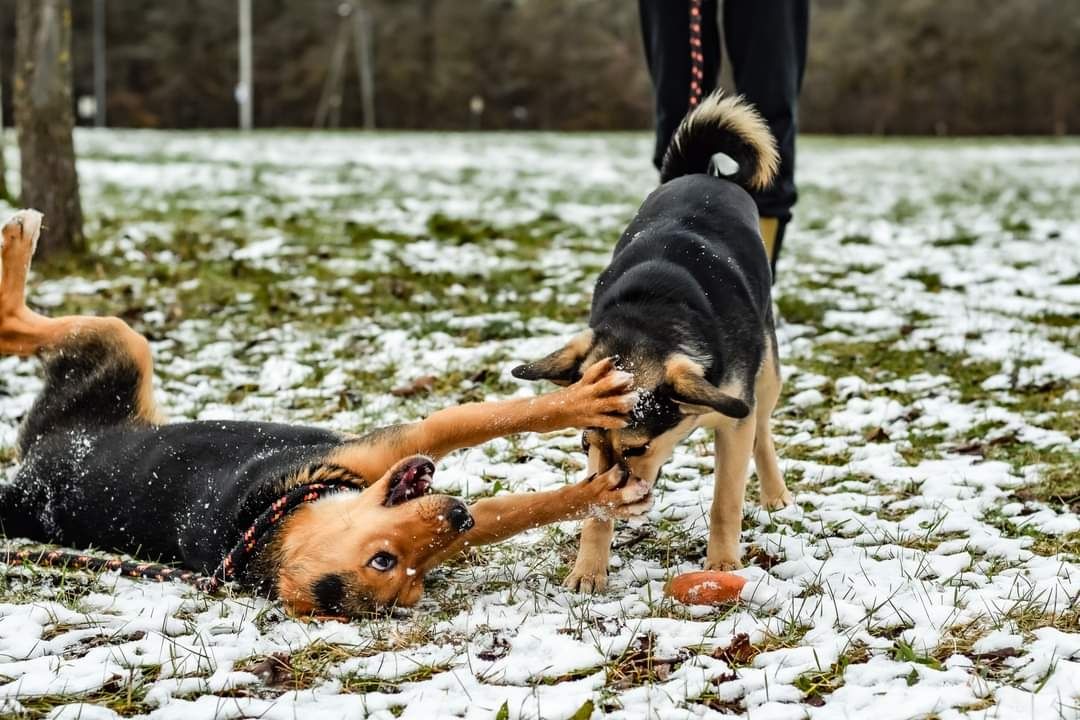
(819, 455)
(856, 239)
(958, 240)
(31, 582)
(359, 685)
(1067, 544)
(1015, 225)
(463, 231)
(816, 685)
(1043, 543)
(1056, 319)
(903, 210)
(1022, 455)
(1029, 614)
(794, 308)
(641, 664)
(902, 652)
(668, 542)
(880, 361)
(1058, 486)
(931, 281)
(125, 699)
(919, 446)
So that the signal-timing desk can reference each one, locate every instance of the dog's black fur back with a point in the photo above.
(94, 473)
(183, 491)
(690, 274)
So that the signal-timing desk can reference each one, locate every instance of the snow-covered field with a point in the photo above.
(930, 303)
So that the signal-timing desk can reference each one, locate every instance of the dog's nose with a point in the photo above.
(459, 517)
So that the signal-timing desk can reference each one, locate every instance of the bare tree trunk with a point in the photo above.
(44, 117)
(3, 167)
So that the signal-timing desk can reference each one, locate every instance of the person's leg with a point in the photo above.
(766, 41)
(665, 29)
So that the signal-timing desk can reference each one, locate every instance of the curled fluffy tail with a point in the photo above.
(728, 125)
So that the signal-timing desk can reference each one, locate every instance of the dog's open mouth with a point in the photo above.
(411, 480)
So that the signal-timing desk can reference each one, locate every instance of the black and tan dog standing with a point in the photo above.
(100, 467)
(685, 304)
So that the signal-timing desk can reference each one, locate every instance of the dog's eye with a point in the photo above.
(635, 451)
(382, 562)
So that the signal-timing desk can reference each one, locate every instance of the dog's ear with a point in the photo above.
(695, 394)
(561, 367)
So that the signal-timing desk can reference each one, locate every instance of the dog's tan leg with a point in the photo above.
(498, 518)
(602, 398)
(734, 445)
(20, 234)
(774, 493)
(770, 228)
(24, 332)
(589, 573)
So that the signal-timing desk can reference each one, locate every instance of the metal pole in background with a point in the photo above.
(244, 89)
(1, 108)
(365, 64)
(99, 63)
(3, 165)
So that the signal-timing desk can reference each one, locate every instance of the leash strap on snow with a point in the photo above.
(697, 56)
(231, 566)
(78, 561)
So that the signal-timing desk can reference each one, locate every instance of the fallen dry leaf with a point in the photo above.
(419, 386)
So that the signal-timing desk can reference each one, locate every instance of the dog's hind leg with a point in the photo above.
(774, 492)
(97, 369)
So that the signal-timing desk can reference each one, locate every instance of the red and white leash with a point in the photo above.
(697, 56)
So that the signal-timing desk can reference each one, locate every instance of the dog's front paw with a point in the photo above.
(617, 495)
(723, 564)
(603, 397)
(776, 503)
(587, 577)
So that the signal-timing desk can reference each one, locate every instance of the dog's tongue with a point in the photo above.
(411, 481)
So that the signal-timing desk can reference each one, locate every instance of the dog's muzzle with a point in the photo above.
(459, 518)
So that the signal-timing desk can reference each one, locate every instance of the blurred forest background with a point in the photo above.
(897, 67)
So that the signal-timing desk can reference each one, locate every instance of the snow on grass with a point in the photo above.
(930, 430)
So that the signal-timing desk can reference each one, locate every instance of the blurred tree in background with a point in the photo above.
(956, 67)
(3, 140)
(904, 66)
(44, 118)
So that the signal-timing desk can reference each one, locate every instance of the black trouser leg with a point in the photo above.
(766, 41)
(665, 29)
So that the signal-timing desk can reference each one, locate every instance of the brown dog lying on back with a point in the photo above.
(100, 468)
